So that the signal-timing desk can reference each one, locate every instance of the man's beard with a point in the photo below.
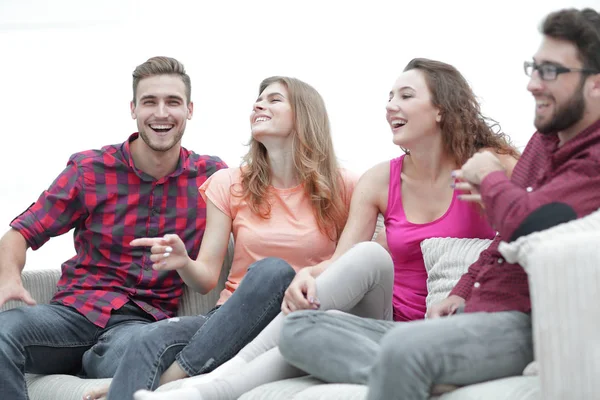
(166, 146)
(567, 115)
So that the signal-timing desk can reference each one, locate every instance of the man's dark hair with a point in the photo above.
(580, 27)
(161, 66)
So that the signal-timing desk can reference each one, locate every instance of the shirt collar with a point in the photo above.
(182, 164)
(576, 145)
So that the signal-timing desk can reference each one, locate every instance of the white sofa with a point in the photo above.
(569, 258)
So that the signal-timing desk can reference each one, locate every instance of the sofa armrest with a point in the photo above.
(41, 283)
(564, 280)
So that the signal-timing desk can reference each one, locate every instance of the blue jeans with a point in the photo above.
(403, 360)
(56, 339)
(202, 343)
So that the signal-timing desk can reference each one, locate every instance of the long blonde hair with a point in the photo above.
(314, 159)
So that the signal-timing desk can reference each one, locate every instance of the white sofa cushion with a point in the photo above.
(563, 265)
(521, 250)
(513, 388)
(60, 387)
(309, 388)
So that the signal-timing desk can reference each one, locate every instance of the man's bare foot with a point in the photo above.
(98, 393)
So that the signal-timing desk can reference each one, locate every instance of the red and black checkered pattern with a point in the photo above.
(109, 202)
(546, 173)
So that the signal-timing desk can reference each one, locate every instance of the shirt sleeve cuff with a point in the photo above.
(462, 288)
(492, 180)
(33, 240)
(493, 186)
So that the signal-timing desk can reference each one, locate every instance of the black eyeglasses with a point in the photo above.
(549, 72)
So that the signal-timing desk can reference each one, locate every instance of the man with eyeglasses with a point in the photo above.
(489, 335)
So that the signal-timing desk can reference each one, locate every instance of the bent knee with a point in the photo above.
(273, 268)
(371, 255)
(374, 250)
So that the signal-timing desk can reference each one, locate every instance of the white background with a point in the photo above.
(65, 73)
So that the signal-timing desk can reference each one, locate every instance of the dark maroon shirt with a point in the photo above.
(545, 173)
(109, 202)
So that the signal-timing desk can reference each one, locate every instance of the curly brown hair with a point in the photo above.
(465, 130)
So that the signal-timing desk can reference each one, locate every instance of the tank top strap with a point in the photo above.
(395, 187)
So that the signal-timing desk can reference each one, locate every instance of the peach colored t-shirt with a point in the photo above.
(291, 233)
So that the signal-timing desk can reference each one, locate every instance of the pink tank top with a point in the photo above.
(461, 220)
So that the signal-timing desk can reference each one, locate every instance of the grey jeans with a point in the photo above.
(403, 360)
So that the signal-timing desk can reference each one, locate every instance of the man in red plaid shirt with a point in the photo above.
(482, 331)
(146, 186)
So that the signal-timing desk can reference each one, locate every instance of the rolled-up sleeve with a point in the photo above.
(56, 211)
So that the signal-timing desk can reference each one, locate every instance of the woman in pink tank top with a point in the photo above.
(461, 220)
(435, 118)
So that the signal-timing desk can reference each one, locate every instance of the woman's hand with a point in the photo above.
(168, 253)
(301, 294)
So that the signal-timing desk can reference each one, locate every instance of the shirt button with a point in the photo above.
(500, 261)
(529, 189)
(155, 211)
(476, 284)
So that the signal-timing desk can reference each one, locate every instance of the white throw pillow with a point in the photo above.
(446, 260)
(521, 250)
